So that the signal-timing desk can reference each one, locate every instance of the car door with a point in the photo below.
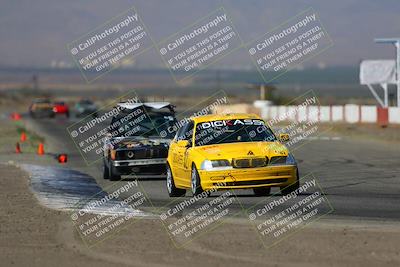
(182, 152)
(172, 149)
(186, 166)
(176, 155)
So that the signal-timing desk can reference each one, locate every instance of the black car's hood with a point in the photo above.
(137, 141)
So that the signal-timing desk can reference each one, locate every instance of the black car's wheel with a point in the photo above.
(106, 172)
(262, 191)
(292, 187)
(172, 190)
(195, 182)
(112, 173)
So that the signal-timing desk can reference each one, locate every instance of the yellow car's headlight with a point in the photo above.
(215, 165)
(282, 160)
(290, 160)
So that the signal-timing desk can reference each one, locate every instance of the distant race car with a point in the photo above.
(85, 107)
(41, 108)
(61, 108)
(233, 151)
(139, 147)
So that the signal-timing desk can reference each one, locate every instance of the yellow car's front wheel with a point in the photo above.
(195, 183)
(285, 190)
(172, 190)
(262, 191)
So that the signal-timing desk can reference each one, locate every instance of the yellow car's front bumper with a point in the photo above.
(246, 178)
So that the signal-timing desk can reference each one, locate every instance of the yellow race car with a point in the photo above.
(231, 151)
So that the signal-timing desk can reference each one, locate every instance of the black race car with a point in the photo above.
(138, 139)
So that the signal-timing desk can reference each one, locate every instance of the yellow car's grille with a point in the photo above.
(241, 163)
(249, 162)
(259, 162)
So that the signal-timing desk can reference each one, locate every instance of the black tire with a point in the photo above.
(195, 183)
(262, 191)
(171, 188)
(112, 173)
(67, 114)
(285, 190)
(106, 172)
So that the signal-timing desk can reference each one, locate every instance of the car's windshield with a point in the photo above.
(232, 131)
(143, 122)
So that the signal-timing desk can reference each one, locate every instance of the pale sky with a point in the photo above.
(33, 33)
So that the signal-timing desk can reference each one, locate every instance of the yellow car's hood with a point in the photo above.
(242, 150)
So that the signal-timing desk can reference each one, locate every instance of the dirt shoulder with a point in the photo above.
(36, 236)
(368, 131)
(29, 232)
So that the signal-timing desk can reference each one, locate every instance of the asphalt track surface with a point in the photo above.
(360, 178)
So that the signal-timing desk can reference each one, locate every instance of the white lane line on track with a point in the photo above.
(62, 189)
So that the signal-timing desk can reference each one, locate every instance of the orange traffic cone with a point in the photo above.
(17, 148)
(40, 150)
(23, 137)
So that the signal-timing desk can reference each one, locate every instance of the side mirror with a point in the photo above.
(183, 143)
(284, 137)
